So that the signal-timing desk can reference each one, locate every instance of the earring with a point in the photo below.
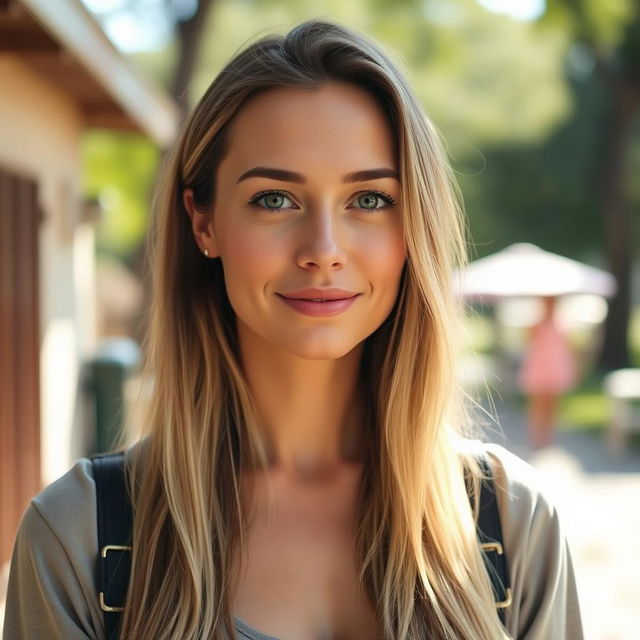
(206, 252)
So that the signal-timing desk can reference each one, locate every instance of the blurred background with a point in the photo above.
(539, 104)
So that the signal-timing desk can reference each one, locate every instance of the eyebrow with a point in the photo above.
(292, 176)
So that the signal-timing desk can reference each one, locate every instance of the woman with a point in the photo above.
(304, 474)
(548, 370)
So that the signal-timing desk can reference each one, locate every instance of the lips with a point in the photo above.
(319, 302)
(319, 295)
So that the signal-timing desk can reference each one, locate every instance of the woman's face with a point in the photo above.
(308, 201)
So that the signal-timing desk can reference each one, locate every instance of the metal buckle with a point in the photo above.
(492, 546)
(507, 601)
(103, 552)
(497, 547)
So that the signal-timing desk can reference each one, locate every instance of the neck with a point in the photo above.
(310, 410)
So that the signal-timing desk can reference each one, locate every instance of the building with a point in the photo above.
(59, 75)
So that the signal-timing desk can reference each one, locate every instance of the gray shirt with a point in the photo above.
(52, 584)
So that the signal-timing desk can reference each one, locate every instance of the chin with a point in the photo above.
(319, 347)
(318, 352)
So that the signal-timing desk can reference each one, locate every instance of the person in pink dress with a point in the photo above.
(548, 371)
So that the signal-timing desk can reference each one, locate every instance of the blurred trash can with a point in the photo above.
(115, 360)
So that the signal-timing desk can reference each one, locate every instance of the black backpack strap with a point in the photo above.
(489, 532)
(115, 522)
(115, 526)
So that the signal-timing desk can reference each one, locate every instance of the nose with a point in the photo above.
(321, 246)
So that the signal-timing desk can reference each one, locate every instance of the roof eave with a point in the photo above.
(69, 22)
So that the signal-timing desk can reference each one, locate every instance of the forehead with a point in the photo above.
(337, 125)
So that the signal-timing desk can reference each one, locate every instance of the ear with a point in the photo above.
(201, 225)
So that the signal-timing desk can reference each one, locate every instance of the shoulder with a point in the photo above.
(51, 591)
(68, 505)
(528, 516)
(58, 532)
(545, 602)
(519, 486)
(68, 501)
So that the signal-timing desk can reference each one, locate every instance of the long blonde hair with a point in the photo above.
(416, 542)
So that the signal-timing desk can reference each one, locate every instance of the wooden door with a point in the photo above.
(19, 353)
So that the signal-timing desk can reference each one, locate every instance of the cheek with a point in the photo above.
(385, 255)
(249, 257)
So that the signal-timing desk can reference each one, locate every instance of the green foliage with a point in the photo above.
(543, 192)
(119, 171)
(611, 30)
(601, 24)
(474, 72)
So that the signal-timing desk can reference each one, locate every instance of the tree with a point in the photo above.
(189, 32)
(610, 34)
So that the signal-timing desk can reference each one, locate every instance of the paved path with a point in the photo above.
(598, 496)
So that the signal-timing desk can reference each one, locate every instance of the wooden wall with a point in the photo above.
(19, 353)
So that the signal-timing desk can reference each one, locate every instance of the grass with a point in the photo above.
(584, 409)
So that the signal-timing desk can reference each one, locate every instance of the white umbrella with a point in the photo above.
(524, 269)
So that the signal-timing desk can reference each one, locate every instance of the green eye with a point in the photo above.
(373, 201)
(368, 201)
(273, 200)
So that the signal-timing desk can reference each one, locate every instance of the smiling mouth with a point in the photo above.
(319, 299)
(319, 296)
(320, 306)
